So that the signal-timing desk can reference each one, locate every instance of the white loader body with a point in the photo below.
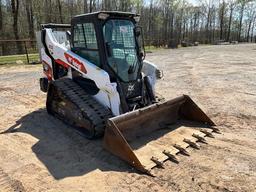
(60, 51)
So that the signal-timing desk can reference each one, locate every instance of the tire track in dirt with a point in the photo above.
(9, 185)
(82, 148)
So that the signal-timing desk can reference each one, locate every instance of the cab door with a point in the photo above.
(84, 42)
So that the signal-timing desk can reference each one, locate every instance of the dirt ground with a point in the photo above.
(40, 153)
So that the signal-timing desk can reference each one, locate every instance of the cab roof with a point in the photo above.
(94, 15)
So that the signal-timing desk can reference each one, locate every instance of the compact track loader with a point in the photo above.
(97, 80)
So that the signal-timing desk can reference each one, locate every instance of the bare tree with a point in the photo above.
(48, 10)
(250, 15)
(90, 7)
(222, 15)
(15, 11)
(252, 29)
(107, 5)
(1, 16)
(60, 10)
(231, 10)
(165, 22)
(1, 28)
(241, 16)
(85, 6)
(30, 19)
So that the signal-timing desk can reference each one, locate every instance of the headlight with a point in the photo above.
(103, 16)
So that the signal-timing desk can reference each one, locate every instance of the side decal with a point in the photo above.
(75, 62)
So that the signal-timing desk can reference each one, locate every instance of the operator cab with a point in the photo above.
(110, 40)
(113, 41)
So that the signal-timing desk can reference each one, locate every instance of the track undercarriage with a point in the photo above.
(70, 103)
(144, 138)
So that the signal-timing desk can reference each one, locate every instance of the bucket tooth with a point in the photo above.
(171, 156)
(192, 144)
(200, 138)
(157, 162)
(208, 133)
(182, 150)
(215, 130)
(149, 172)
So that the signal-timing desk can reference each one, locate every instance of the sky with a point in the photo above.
(194, 2)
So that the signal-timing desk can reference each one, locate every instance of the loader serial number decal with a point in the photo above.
(75, 62)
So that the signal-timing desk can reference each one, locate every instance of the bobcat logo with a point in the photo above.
(130, 87)
(75, 62)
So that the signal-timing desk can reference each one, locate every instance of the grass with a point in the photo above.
(150, 48)
(34, 57)
(12, 59)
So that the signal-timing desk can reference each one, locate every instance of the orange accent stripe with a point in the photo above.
(64, 64)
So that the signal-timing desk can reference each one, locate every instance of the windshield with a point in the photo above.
(121, 47)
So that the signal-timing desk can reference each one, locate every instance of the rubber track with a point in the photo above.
(90, 107)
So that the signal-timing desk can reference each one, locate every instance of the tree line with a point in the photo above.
(163, 21)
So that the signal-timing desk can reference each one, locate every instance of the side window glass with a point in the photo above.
(85, 42)
(79, 40)
(85, 36)
(90, 36)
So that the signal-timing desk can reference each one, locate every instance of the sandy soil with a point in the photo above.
(40, 153)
